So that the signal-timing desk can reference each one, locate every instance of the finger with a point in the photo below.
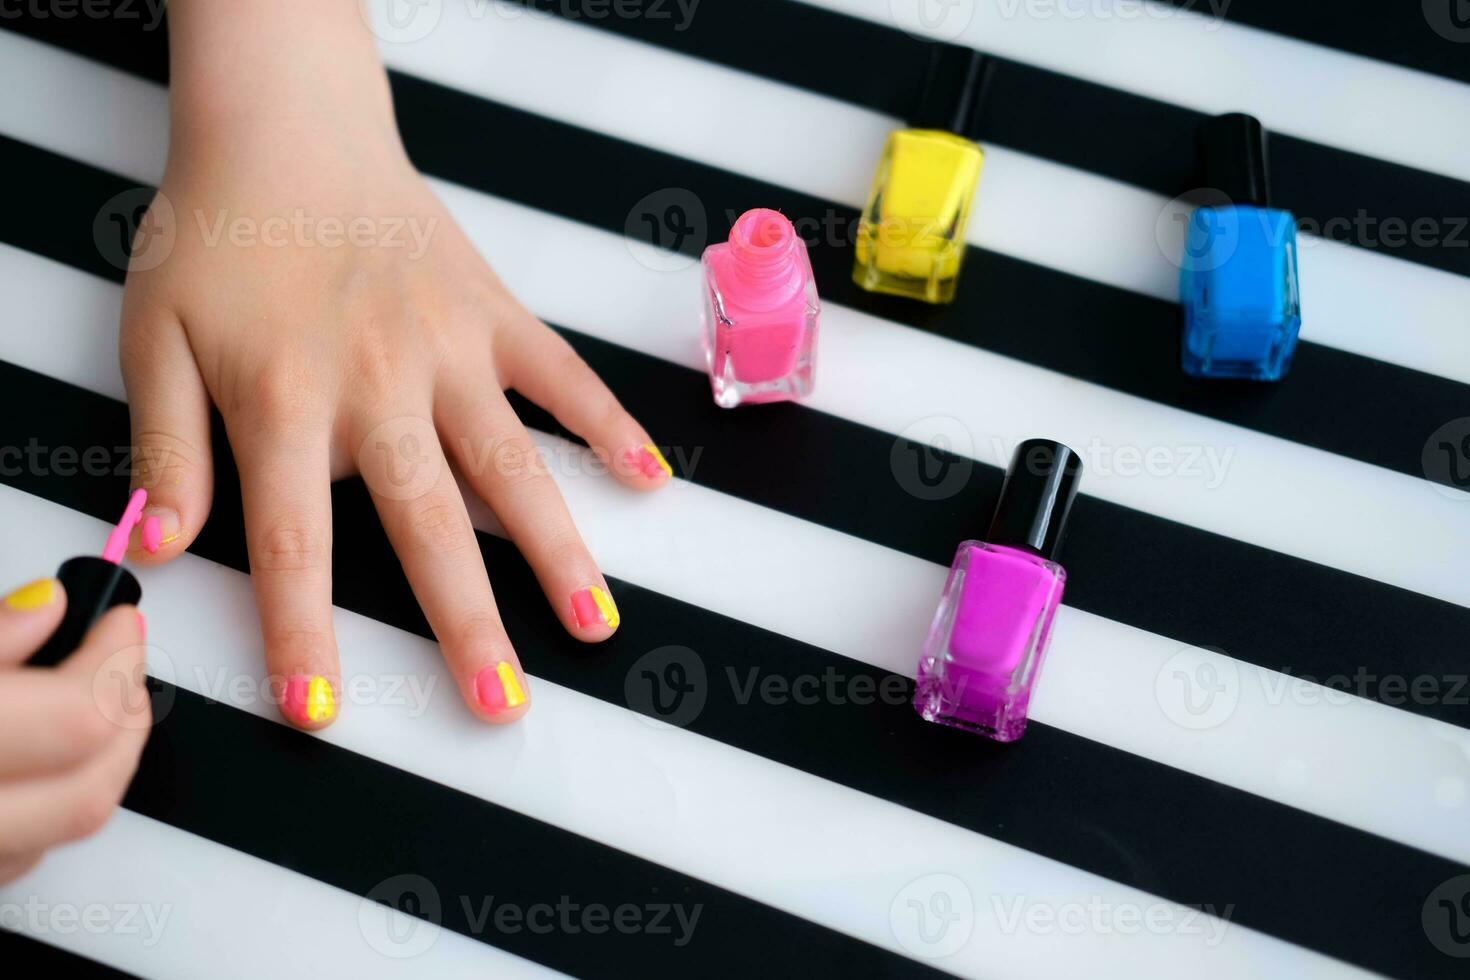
(169, 411)
(54, 720)
(499, 459)
(39, 813)
(426, 520)
(540, 364)
(49, 723)
(28, 616)
(285, 487)
(111, 666)
(13, 866)
(44, 810)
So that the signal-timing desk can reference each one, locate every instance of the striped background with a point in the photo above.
(1300, 539)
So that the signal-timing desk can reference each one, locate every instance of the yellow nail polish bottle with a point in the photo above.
(911, 238)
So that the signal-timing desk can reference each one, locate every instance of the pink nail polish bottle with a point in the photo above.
(984, 650)
(760, 312)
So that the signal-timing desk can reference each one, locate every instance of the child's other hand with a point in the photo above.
(70, 736)
(320, 295)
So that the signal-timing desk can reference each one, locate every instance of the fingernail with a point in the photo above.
(152, 534)
(310, 699)
(142, 624)
(593, 605)
(160, 526)
(649, 461)
(33, 595)
(497, 687)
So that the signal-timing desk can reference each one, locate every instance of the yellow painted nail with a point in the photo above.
(607, 607)
(658, 458)
(321, 703)
(514, 696)
(33, 595)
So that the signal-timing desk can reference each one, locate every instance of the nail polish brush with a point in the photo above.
(94, 585)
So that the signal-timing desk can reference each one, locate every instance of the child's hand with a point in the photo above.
(320, 295)
(70, 735)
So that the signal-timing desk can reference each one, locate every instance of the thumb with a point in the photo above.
(169, 407)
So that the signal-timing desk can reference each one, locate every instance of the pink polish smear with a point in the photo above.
(117, 541)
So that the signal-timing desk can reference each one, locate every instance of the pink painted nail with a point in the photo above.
(593, 606)
(497, 688)
(648, 461)
(152, 534)
(309, 699)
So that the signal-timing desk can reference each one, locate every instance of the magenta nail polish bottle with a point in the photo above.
(760, 312)
(984, 650)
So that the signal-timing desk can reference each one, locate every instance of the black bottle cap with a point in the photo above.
(954, 90)
(1232, 158)
(93, 586)
(1037, 497)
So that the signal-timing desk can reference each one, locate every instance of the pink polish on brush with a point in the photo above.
(985, 648)
(760, 312)
(117, 541)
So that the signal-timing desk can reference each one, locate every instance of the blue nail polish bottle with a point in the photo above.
(1238, 278)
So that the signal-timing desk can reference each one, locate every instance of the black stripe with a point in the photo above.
(33, 958)
(1428, 35)
(1341, 195)
(349, 821)
(1093, 127)
(1306, 619)
(1105, 811)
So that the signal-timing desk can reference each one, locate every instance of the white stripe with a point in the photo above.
(1290, 741)
(164, 903)
(1195, 60)
(661, 793)
(1027, 207)
(1274, 493)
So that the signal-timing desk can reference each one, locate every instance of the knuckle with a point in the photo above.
(566, 550)
(376, 364)
(517, 461)
(474, 630)
(281, 391)
(571, 366)
(292, 545)
(162, 459)
(439, 525)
